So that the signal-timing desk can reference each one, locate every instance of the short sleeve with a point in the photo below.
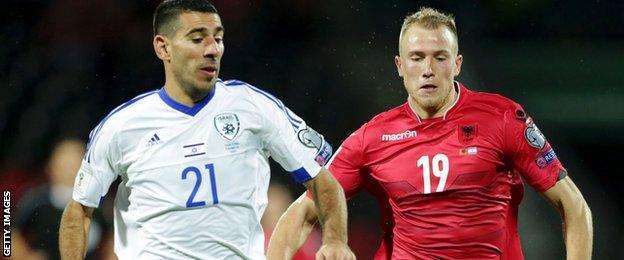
(99, 167)
(346, 165)
(294, 145)
(529, 152)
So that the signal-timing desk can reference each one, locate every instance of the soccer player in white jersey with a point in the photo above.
(193, 157)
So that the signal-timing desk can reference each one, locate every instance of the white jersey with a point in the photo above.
(194, 180)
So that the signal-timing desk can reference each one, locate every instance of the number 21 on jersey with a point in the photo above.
(439, 165)
(190, 202)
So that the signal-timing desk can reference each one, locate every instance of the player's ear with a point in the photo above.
(161, 47)
(397, 61)
(458, 62)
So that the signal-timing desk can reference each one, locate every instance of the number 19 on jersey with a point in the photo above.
(440, 169)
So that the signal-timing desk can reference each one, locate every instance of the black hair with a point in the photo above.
(168, 10)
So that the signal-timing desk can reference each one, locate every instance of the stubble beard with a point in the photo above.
(194, 89)
(432, 103)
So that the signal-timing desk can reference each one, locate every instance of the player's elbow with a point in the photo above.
(577, 209)
(586, 212)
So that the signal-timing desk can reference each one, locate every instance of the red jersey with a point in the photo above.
(449, 187)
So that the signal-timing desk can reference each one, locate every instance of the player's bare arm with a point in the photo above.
(74, 230)
(292, 229)
(577, 220)
(332, 214)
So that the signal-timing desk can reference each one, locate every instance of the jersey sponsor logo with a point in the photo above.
(228, 125)
(546, 158)
(399, 136)
(467, 132)
(154, 140)
(533, 135)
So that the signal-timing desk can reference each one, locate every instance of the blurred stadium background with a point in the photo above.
(64, 64)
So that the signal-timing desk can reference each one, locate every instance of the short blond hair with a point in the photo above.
(430, 19)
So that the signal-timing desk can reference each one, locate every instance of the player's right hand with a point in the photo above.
(335, 251)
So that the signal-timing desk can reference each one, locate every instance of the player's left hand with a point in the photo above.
(335, 251)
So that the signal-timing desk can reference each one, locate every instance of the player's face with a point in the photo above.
(428, 63)
(196, 51)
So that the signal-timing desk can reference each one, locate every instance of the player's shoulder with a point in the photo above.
(241, 90)
(394, 119)
(495, 103)
(128, 111)
(130, 108)
(395, 115)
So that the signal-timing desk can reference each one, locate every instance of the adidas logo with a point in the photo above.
(154, 140)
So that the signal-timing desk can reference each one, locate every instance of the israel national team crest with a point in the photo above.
(228, 125)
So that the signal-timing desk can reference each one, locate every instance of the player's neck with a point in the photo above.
(433, 112)
(176, 92)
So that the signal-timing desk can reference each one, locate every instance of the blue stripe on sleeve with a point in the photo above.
(300, 175)
(96, 130)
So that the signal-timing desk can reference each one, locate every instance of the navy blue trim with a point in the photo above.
(300, 175)
(191, 155)
(191, 111)
(192, 145)
(96, 130)
(293, 121)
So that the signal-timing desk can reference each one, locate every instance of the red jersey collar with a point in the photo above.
(460, 97)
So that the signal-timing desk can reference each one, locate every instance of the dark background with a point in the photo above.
(65, 64)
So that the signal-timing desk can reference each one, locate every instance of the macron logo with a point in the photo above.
(399, 136)
(154, 140)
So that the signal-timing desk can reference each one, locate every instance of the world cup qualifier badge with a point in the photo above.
(533, 135)
(310, 138)
(227, 124)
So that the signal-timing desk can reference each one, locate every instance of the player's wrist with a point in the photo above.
(334, 241)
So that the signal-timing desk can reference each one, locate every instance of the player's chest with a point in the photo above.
(216, 135)
(454, 157)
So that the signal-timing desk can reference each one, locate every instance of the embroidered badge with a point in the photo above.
(228, 125)
(467, 132)
(546, 158)
(533, 135)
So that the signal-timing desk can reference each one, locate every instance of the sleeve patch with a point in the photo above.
(324, 154)
(533, 135)
(313, 139)
(546, 158)
(83, 179)
(310, 138)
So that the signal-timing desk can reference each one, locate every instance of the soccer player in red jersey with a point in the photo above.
(445, 166)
